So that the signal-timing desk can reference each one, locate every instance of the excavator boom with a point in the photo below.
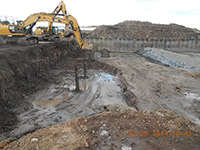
(42, 17)
(60, 7)
(77, 32)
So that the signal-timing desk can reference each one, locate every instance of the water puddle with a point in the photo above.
(56, 94)
(104, 77)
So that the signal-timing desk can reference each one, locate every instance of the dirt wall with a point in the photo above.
(135, 44)
(24, 70)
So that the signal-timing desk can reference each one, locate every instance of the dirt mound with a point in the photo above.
(123, 129)
(143, 30)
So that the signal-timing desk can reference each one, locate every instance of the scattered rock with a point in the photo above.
(104, 133)
(34, 140)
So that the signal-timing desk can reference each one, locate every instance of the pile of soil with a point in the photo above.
(143, 30)
(117, 127)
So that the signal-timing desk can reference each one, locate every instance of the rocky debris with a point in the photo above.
(143, 30)
(71, 135)
(172, 59)
(126, 129)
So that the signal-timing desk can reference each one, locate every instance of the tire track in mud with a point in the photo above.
(167, 87)
(80, 104)
(83, 103)
(87, 98)
(146, 91)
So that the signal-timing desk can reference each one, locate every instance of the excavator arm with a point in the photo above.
(60, 7)
(32, 19)
(77, 32)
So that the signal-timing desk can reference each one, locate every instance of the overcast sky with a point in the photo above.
(98, 12)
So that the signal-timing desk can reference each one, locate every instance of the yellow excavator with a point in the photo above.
(43, 34)
(55, 31)
(40, 30)
(24, 28)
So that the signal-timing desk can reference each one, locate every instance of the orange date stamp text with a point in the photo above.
(159, 133)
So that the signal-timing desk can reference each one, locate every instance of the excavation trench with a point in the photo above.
(37, 88)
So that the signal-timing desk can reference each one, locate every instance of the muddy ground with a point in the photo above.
(25, 70)
(125, 103)
(38, 87)
(157, 86)
(58, 102)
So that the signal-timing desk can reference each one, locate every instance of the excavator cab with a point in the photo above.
(55, 30)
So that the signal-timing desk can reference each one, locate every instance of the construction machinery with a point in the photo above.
(23, 29)
(43, 34)
(52, 31)
(40, 30)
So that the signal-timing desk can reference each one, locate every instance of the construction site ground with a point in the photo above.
(125, 103)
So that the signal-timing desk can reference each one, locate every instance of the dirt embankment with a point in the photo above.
(26, 69)
(116, 128)
(161, 87)
(129, 96)
(143, 30)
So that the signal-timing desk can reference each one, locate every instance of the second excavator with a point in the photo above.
(23, 29)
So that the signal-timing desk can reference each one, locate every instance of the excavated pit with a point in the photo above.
(97, 117)
(37, 83)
